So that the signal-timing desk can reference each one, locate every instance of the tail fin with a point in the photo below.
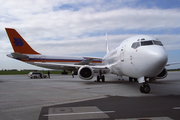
(18, 43)
(107, 44)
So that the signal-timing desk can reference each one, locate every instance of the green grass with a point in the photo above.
(26, 72)
(173, 70)
(44, 72)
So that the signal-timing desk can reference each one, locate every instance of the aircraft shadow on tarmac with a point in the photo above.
(129, 107)
(111, 82)
(165, 81)
(1, 81)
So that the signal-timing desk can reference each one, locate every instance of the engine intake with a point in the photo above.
(162, 75)
(86, 73)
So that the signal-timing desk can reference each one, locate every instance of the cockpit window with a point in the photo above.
(135, 45)
(146, 43)
(151, 42)
(157, 43)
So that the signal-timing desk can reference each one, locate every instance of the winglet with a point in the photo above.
(107, 45)
(18, 43)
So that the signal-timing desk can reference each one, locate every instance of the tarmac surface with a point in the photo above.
(65, 98)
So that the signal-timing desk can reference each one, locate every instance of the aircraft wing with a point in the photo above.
(70, 67)
(88, 60)
(85, 62)
(168, 64)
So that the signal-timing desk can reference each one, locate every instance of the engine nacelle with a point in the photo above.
(86, 73)
(162, 75)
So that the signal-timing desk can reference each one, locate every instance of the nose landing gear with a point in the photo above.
(145, 88)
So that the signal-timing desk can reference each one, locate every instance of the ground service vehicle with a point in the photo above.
(36, 75)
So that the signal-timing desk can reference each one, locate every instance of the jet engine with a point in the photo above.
(86, 73)
(162, 75)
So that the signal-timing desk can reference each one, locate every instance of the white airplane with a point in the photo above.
(142, 58)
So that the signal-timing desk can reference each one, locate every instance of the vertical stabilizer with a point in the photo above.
(107, 45)
(18, 43)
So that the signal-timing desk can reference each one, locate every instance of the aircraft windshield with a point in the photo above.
(135, 45)
(146, 43)
(157, 43)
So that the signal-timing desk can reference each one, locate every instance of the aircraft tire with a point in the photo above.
(145, 88)
(98, 78)
(141, 89)
(130, 79)
(135, 80)
(103, 78)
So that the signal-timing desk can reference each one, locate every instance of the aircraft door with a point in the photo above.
(122, 51)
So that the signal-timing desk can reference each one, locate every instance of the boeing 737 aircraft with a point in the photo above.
(142, 58)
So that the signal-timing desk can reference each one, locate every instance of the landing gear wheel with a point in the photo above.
(141, 89)
(98, 78)
(135, 80)
(103, 78)
(130, 79)
(145, 88)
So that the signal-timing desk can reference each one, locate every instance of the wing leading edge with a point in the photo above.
(70, 67)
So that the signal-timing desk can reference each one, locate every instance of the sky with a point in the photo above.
(78, 27)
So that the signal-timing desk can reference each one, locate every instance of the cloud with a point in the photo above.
(87, 45)
(66, 23)
(79, 27)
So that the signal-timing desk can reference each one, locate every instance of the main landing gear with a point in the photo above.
(145, 88)
(131, 79)
(100, 77)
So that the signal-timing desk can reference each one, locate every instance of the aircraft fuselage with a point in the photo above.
(147, 58)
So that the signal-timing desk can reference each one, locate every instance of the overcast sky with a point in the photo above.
(78, 27)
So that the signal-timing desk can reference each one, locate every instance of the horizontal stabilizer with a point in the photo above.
(18, 56)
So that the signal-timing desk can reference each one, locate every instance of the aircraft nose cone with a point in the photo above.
(160, 58)
(156, 61)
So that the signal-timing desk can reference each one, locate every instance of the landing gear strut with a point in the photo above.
(145, 88)
(131, 79)
(100, 77)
